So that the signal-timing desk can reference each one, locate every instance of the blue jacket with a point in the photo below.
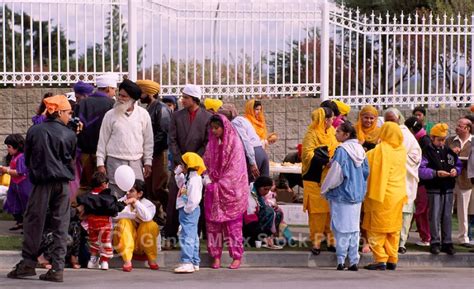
(346, 180)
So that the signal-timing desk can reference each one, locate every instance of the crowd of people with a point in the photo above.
(201, 169)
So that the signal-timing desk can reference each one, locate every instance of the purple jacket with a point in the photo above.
(427, 170)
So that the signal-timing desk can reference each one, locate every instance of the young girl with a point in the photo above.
(135, 232)
(20, 187)
(344, 187)
(225, 199)
(190, 184)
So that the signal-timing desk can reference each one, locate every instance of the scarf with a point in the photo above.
(226, 197)
(258, 122)
(370, 134)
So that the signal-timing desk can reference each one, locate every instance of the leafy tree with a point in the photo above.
(116, 29)
(40, 60)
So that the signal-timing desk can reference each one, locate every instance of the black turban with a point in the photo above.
(131, 88)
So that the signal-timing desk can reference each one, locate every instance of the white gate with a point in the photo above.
(401, 59)
(242, 49)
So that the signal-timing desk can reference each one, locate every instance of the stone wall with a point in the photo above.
(289, 118)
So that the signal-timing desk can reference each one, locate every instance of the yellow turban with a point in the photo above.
(56, 103)
(194, 161)
(212, 104)
(149, 87)
(344, 109)
(440, 129)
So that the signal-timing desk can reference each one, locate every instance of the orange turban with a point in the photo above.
(56, 103)
(440, 129)
(148, 87)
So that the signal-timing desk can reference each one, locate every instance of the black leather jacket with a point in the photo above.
(50, 149)
(160, 116)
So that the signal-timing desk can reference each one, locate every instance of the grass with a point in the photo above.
(11, 242)
(5, 216)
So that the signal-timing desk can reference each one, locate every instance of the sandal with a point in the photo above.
(316, 251)
(44, 263)
(75, 263)
(366, 249)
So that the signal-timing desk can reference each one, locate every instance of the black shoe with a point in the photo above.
(315, 251)
(16, 227)
(21, 270)
(340, 267)
(466, 245)
(353, 268)
(448, 249)
(402, 250)
(434, 249)
(391, 266)
(52, 275)
(376, 266)
(331, 249)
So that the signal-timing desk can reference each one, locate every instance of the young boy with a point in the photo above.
(439, 168)
(190, 184)
(98, 206)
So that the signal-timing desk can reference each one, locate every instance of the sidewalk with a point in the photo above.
(275, 258)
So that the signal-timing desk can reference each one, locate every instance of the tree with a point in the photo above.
(116, 29)
(40, 60)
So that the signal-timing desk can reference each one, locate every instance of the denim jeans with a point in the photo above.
(189, 239)
(347, 243)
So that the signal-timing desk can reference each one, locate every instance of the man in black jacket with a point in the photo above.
(91, 111)
(49, 155)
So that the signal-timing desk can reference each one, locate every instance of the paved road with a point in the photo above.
(255, 278)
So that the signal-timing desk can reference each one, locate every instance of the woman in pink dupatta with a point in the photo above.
(226, 197)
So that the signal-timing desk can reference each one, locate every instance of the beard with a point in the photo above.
(122, 108)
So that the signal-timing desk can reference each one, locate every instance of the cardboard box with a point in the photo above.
(294, 215)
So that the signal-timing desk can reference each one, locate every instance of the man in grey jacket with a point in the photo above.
(187, 133)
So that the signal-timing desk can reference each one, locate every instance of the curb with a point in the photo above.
(283, 259)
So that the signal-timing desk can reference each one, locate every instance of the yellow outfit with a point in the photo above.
(371, 134)
(131, 238)
(5, 180)
(386, 194)
(317, 207)
(148, 87)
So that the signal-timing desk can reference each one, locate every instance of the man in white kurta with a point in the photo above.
(126, 137)
(413, 163)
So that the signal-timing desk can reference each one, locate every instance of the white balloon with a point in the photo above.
(124, 177)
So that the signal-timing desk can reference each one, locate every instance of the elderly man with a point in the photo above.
(187, 133)
(461, 145)
(160, 115)
(126, 137)
(49, 151)
(91, 112)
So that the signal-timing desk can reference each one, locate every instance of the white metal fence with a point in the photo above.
(401, 59)
(242, 48)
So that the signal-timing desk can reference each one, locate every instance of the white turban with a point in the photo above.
(107, 80)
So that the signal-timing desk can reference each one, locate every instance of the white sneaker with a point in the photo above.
(93, 263)
(104, 265)
(422, 244)
(196, 268)
(185, 268)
